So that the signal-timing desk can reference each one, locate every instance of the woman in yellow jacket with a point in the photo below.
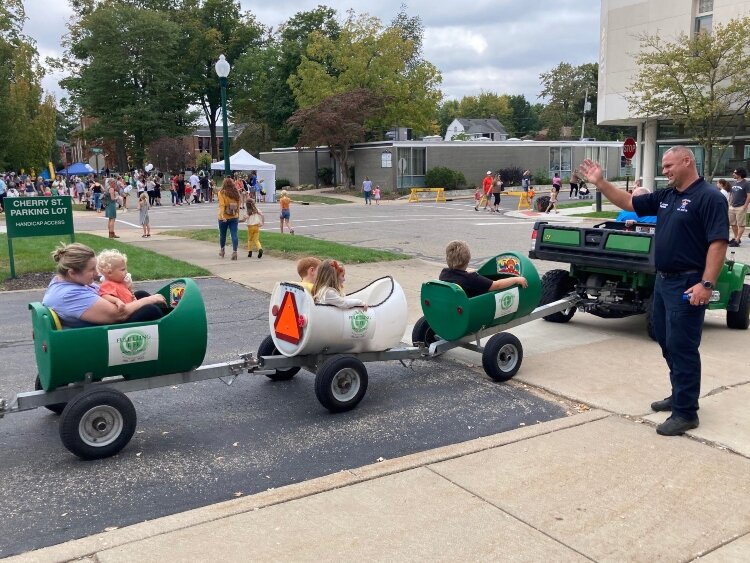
(229, 215)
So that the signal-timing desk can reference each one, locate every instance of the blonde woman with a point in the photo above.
(229, 215)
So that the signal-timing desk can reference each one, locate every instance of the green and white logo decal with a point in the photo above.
(360, 322)
(134, 343)
(131, 345)
(506, 302)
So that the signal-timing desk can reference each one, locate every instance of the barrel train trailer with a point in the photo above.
(88, 391)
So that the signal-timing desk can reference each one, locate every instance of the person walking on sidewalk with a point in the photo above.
(573, 184)
(554, 194)
(487, 189)
(229, 215)
(690, 246)
(254, 221)
(739, 198)
(367, 189)
(109, 201)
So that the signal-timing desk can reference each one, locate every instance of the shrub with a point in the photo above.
(442, 177)
(325, 175)
(282, 183)
(542, 178)
(511, 176)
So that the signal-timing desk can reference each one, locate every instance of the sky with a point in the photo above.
(499, 46)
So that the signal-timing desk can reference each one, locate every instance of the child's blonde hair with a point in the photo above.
(328, 276)
(109, 258)
(304, 264)
(251, 207)
(143, 196)
(457, 255)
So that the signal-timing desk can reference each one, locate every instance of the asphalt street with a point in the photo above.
(198, 444)
(421, 230)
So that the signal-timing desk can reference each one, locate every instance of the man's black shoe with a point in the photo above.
(733, 243)
(676, 426)
(663, 405)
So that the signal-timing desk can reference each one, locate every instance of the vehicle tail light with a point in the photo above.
(275, 310)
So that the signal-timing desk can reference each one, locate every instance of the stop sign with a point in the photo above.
(628, 148)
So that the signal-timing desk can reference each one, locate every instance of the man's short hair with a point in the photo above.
(457, 255)
(741, 172)
(682, 151)
(304, 264)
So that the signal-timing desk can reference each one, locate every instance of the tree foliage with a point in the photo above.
(367, 55)
(212, 28)
(130, 86)
(337, 121)
(701, 83)
(27, 116)
(264, 94)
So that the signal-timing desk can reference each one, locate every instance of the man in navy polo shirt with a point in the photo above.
(690, 247)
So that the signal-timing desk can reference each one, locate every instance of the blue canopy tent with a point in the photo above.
(77, 168)
(45, 174)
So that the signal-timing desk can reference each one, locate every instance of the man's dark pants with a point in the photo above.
(678, 326)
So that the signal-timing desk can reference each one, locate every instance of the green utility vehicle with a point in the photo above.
(612, 271)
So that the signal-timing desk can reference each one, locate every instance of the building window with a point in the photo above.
(560, 160)
(385, 159)
(704, 15)
(411, 167)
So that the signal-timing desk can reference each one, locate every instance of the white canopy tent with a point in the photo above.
(244, 161)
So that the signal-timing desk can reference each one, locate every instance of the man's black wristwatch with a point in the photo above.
(707, 284)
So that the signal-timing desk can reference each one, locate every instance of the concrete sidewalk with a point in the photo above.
(598, 485)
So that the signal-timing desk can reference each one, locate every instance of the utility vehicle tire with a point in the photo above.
(341, 383)
(502, 356)
(556, 284)
(97, 424)
(650, 318)
(422, 332)
(268, 348)
(56, 408)
(740, 318)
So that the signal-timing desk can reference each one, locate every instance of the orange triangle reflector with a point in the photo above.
(286, 326)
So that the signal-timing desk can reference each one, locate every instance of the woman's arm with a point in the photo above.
(102, 312)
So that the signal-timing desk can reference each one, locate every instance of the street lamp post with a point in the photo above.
(222, 70)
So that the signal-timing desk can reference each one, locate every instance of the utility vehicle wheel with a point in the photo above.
(741, 317)
(268, 348)
(97, 424)
(422, 332)
(650, 318)
(556, 284)
(56, 408)
(341, 383)
(502, 356)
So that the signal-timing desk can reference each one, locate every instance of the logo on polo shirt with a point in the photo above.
(683, 205)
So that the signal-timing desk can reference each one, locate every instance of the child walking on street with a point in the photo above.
(254, 221)
(284, 202)
(143, 207)
(376, 195)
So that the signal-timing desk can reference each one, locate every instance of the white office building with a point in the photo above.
(621, 23)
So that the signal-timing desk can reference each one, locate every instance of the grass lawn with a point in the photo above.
(302, 198)
(33, 255)
(295, 247)
(581, 203)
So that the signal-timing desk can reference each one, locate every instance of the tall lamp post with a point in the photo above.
(222, 70)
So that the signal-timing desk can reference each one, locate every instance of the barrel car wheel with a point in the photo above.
(422, 332)
(502, 356)
(268, 348)
(97, 424)
(341, 383)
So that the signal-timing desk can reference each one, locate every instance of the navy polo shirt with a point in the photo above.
(686, 224)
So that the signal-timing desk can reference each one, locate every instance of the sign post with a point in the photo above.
(37, 217)
(628, 151)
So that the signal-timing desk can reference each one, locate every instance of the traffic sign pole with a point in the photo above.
(628, 151)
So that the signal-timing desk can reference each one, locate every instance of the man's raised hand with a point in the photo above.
(591, 170)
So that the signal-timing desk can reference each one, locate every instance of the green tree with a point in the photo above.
(266, 95)
(337, 121)
(701, 83)
(524, 118)
(212, 28)
(446, 113)
(131, 86)
(367, 55)
(28, 117)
